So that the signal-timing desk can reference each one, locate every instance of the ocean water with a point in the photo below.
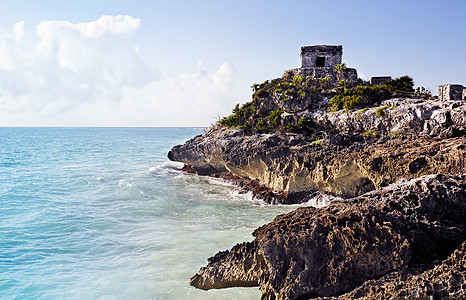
(100, 213)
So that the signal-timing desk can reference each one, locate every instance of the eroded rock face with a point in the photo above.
(342, 167)
(329, 251)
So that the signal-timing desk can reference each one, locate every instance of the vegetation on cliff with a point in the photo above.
(290, 87)
(304, 126)
(240, 116)
(364, 95)
(283, 104)
(264, 115)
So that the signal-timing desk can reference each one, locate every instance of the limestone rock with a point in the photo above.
(324, 252)
(398, 116)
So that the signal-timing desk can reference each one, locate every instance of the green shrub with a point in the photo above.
(298, 78)
(371, 133)
(304, 126)
(275, 117)
(290, 90)
(289, 87)
(240, 116)
(244, 117)
(318, 142)
(422, 92)
(398, 133)
(342, 83)
(381, 110)
(400, 84)
(261, 126)
(364, 94)
(325, 83)
(292, 127)
(358, 96)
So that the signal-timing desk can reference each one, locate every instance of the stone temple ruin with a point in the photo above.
(451, 92)
(319, 61)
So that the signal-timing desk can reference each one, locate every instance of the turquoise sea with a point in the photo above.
(100, 213)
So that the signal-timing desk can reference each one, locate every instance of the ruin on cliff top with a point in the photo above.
(451, 92)
(320, 61)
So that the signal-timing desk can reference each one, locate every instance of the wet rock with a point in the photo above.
(242, 266)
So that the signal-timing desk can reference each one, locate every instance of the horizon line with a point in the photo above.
(103, 126)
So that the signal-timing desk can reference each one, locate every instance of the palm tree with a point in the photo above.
(339, 69)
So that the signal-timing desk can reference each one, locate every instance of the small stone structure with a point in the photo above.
(319, 61)
(451, 92)
(379, 80)
(321, 56)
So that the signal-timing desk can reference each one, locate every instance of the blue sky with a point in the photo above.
(185, 63)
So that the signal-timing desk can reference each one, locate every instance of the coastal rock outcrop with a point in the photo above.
(330, 251)
(357, 152)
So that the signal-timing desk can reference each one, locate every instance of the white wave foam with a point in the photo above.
(166, 168)
(126, 183)
(240, 195)
(85, 180)
(219, 181)
(237, 194)
(321, 200)
(318, 201)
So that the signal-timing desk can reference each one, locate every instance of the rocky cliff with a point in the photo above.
(399, 232)
(396, 233)
(349, 154)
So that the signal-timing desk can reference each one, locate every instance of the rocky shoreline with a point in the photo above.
(398, 229)
(404, 229)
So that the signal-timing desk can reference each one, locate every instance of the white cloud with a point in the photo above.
(71, 64)
(225, 76)
(7, 43)
(201, 66)
(108, 24)
(195, 99)
(90, 74)
(18, 29)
